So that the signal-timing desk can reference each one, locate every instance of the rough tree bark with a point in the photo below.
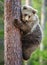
(12, 43)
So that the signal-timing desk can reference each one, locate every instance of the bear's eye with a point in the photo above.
(25, 14)
(29, 16)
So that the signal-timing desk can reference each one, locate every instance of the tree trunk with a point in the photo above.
(43, 14)
(12, 43)
(28, 2)
(42, 25)
(42, 20)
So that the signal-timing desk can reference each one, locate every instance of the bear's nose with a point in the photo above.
(26, 18)
(26, 21)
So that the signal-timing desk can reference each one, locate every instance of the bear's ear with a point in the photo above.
(24, 8)
(34, 11)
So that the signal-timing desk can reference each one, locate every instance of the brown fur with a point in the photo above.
(31, 31)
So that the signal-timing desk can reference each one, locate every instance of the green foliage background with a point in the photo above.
(35, 57)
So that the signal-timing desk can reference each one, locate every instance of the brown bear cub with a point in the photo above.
(31, 35)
